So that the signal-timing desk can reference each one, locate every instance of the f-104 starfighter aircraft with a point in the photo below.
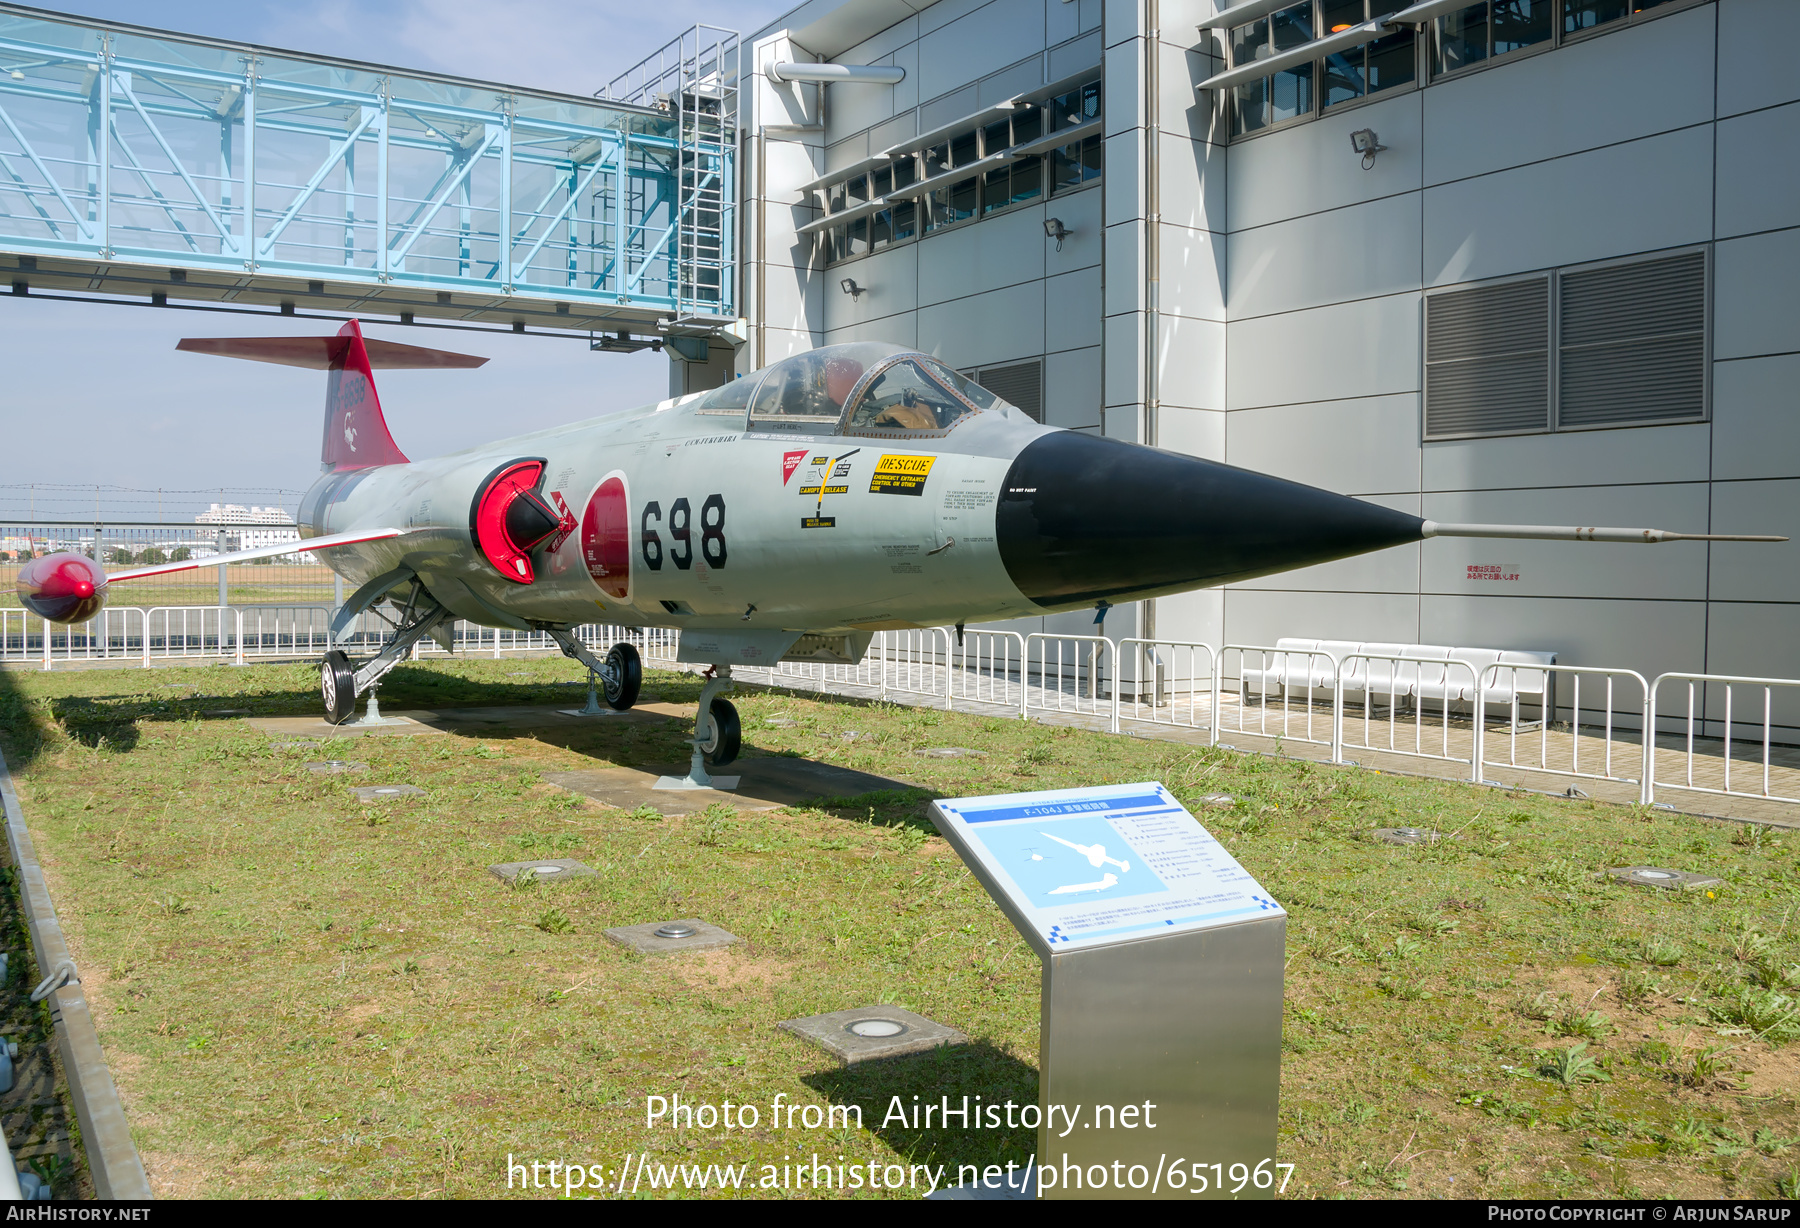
(790, 514)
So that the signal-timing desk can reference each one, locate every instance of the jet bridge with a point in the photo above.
(168, 167)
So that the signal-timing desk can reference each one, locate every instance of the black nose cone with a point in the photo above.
(1084, 519)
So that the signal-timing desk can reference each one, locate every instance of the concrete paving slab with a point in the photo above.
(763, 784)
(672, 937)
(868, 1033)
(406, 724)
(548, 870)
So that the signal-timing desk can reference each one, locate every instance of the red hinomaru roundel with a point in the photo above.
(606, 539)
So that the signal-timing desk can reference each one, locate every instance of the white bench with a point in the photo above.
(1387, 674)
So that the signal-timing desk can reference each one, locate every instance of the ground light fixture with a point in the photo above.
(1054, 229)
(849, 286)
(1365, 142)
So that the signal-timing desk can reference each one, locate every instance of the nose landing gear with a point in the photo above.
(718, 736)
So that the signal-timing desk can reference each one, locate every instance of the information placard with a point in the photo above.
(1113, 863)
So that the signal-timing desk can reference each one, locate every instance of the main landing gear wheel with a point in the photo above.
(337, 684)
(724, 734)
(624, 676)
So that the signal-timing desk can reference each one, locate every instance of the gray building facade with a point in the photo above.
(1565, 289)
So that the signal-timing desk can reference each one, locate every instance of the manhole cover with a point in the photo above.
(874, 1028)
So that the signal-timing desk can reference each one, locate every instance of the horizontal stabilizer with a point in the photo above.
(318, 353)
(1572, 533)
(261, 552)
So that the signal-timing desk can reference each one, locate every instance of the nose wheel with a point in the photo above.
(725, 734)
(718, 736)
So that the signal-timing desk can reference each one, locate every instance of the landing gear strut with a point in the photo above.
(718, 735)
(620, 676)
(341, 686)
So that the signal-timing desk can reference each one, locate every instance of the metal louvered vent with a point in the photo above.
(1633, 343)
(1487, 360)
(1019, 383)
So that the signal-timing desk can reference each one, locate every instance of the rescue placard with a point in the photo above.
(901, 475)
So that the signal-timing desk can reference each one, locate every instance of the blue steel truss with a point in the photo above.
(159, 163)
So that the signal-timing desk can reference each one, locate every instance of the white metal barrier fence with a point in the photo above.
(1072, 675)
(1597, 742)
(1695, 772)
(1165, 682)
(1276, 688)
(1501, 716)
(1367, 682)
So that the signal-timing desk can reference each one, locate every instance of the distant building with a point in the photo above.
(251, 528)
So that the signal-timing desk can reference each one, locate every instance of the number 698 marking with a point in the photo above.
(680, 530)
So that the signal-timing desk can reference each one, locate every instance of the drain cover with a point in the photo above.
(1662, 876)
(1405, 835)
(675, 929)
(873, 1028)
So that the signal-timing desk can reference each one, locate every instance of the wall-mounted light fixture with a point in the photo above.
(1365, 142)
(849, 286)
(1054, 229)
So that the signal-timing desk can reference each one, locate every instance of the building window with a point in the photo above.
(1020, 384)
(1614, 344)
(1461, 39)
(1040, 167)
(1497, 28)
(1305, 89)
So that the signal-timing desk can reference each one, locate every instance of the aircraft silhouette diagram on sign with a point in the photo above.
(790, 514)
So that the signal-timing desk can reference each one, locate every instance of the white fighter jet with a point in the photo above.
(1095, 853)
(792, 513)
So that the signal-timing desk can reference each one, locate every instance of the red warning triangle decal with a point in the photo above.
(790, 461)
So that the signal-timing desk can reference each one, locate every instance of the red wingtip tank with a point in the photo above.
(63, 588)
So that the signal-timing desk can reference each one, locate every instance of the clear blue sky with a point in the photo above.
(98, 394)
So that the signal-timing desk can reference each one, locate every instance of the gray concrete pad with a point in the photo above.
(672, 937)
(762, 784)
(868, 1033)
(336, 767)
(546, 870)
(950, 752)
(383, 793)
(404, 724)
(1663, 877)
(1222, 800)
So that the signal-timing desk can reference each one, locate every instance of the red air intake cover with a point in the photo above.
(64, 588)
(509, 517)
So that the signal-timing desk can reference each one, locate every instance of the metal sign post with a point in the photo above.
(1160, 1050)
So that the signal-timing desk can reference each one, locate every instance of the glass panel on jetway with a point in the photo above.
(138, 162)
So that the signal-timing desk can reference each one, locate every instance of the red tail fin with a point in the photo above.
(356, 435)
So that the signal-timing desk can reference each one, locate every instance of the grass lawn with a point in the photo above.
(304, 995)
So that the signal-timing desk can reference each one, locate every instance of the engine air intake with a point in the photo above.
(510, 518)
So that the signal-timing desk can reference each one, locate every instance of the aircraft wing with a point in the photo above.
(261, 552)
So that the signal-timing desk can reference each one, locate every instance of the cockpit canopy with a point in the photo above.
(864, 388)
